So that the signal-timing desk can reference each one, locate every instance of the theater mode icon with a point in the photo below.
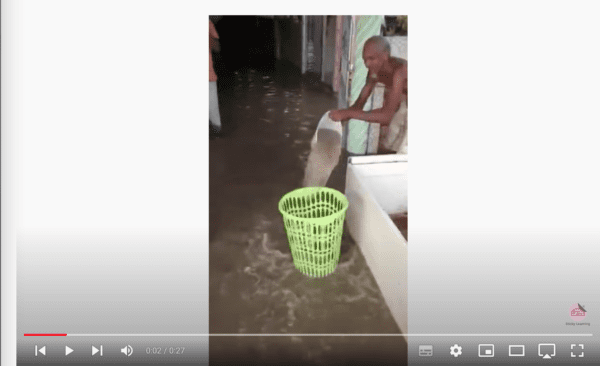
(516, 350)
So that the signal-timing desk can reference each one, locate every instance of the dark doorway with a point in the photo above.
(246, 42)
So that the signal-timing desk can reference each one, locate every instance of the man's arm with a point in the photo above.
(391, 105)
(365, 93)
(359, 104)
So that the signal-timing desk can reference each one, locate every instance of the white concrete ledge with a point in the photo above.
(376, 186)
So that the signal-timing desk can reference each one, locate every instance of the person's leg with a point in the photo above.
(214, 115)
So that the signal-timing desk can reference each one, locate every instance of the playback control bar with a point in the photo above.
(113, 350)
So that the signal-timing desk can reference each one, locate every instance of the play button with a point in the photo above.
(96, 350)
(68, 350)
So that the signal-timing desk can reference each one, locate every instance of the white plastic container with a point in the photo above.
(326, 123)
(377, 186)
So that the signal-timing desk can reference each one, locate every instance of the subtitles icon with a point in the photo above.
(425, 351)
(516, 350)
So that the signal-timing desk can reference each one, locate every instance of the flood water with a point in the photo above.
(270, 117)
(401, 222)
(324, 156)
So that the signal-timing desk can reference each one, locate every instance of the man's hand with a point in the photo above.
(340, 115)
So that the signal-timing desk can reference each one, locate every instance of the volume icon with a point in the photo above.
(127, 350)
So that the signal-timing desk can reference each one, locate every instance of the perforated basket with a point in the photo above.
(314, 222)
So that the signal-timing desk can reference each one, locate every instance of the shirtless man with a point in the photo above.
(383, 68)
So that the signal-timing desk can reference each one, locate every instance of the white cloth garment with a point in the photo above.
(397, 134)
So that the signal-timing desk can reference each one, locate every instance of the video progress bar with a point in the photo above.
(45, 334)
(314, 335)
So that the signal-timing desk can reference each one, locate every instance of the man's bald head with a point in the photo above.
(378, 44)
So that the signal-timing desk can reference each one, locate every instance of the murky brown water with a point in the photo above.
(323, 158)
(401, 222)
(254, 286)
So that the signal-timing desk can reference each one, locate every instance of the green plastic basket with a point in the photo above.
(314, 222)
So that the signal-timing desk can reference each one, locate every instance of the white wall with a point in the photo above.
(399, 45)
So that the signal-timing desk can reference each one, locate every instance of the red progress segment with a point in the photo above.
(45, 334)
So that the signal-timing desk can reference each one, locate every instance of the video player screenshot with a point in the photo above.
(132, 234)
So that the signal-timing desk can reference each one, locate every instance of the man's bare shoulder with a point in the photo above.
(400, 68)
(399, 63)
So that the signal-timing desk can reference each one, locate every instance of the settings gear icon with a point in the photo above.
(456, 350)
